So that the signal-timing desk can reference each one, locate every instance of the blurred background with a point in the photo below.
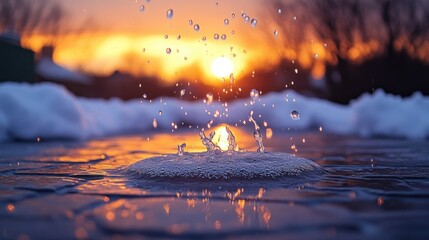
(331, 49)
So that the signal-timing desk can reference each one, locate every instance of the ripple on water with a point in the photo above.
(224, 166)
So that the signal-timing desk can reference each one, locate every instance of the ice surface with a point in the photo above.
(49, 111)
(224, 165)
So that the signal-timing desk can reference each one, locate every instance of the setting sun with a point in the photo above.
(222, 67)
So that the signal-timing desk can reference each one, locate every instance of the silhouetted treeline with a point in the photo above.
(369, 43)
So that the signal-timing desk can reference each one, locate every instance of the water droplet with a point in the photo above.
(209, 98)
(216, 36)
(296, 70)
(243, 15)
(254, 22)
(170, 13)
(204, 38)
(276, 33)
(182, 92)
(254, 94)
(233, 15)
(141, 8)
(186, 58)
(145, 96)
(154, 123)
(294, 18)
(179, 37)
(166, 36)
(191, 22)
(295, 115)
(279, 11)
(316, 56)
(196, 27)
(168, 50)
(231, 78)
(223, 37)
(269, 133)
(226, 21)
(160, 113)
(144, 50)
(247, 19)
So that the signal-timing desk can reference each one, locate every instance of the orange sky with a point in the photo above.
(135, 41)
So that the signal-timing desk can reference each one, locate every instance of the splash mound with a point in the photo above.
(224, 165)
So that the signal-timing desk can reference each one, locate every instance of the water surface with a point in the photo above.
(372, 188)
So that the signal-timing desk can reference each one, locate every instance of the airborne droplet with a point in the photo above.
(170, 13)
(223, 37)
(254, 94)
(295, 115)
(168, 50)
(231, 78)
(216, 36)
(141, 8)
(209, 98)
(182, 92)
(246, 19)
(196, 27)
(276, 33)
(226, 21)
(254, 22)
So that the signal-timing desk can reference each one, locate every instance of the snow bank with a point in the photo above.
(47, 69)
(49, 111)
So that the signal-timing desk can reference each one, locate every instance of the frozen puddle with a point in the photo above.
(224, 165)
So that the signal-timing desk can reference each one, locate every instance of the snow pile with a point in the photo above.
(49, 70)
(224, 165)
(49, 111)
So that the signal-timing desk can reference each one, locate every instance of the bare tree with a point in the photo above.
(27, 17)
(393, 24)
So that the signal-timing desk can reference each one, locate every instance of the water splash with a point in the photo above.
(180, 149)
(208, 141)
(232, 145)
(257, 134)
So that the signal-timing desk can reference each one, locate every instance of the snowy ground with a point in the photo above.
(49, 111)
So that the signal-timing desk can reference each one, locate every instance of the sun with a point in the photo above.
(222, 67)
